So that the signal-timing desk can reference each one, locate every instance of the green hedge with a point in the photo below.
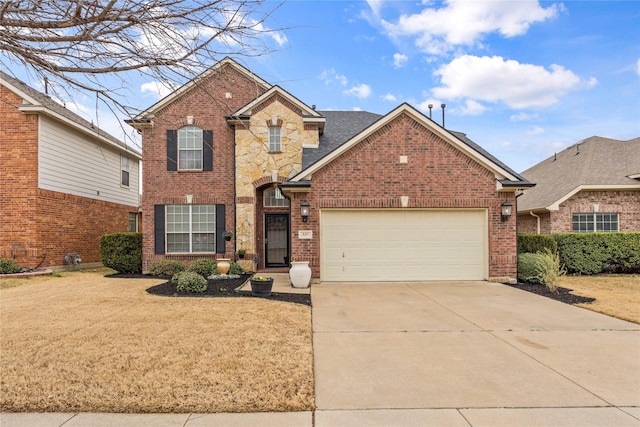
(122, 252)
(534, 243)
(190, 281)
(540, 268)
(8, 266)
(165, 267)
(593, 253)
(204, 267)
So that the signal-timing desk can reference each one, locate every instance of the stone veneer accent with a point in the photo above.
(257, 167)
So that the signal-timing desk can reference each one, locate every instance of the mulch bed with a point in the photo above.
(217, 289)
(563, 294)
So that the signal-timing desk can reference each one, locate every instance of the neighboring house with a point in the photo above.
(392, 197)
(591, 186)
(63, 182)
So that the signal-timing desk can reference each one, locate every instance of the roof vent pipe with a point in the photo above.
(443, 107)
(430, 107)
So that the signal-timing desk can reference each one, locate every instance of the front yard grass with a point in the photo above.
(85, 343)
(616, 295)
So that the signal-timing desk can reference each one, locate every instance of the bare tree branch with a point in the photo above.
(80, 44)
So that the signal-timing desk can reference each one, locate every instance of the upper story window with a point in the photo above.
(275, 141)
(273, 198)
(190, 148)
(125, 169)
(595, 222)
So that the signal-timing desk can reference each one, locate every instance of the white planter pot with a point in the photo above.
(300, 274)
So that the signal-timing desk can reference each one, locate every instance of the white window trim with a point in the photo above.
(190, 232)
(192, 128)
(125, 166)
(273, 142)
(594, 218)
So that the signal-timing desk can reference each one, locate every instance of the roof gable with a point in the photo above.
(36, 102)
(295, 103)
(174, 95)
(460, 141)
(595, 163)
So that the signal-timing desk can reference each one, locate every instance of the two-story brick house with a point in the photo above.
(63, 182)
(392, 197)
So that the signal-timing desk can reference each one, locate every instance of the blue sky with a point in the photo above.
(521, 78)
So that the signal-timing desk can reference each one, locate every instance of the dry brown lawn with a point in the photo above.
(82, 342)
(616, 295)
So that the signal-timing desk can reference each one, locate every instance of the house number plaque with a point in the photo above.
(305, 234)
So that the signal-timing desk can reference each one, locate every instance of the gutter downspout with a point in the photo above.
(537, 221)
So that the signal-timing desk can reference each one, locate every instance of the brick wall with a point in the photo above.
(437, 175)
(209, 105)
(626, 203)
(39, 226)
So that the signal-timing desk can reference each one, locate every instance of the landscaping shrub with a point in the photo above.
(8, 266)
(540, 268)
(534, 243)
(122, 252)
(593, 253)
(190, 281)
(235, 268)
(204, 267)
(165, 267)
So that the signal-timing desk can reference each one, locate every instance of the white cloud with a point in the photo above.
(472, 108)
(399, 60)
(331, 76)
(463, 22)
(389, 97)
(157, 89)
(360, 91)
(537, 130)
(522, 117)
(424, 106)
(375, 6)
(494, 79)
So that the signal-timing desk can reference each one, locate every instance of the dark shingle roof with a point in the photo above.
(338, 129)
(51, 105)
(595, 161)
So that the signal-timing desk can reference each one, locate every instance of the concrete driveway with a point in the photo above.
(468, 353)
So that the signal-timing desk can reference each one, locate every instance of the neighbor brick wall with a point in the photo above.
(208, 105)
(39, 226)
(437, 175)
(528, 223)
(18, 179)
(626, 203)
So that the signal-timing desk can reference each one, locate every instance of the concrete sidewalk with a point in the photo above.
(469, 353)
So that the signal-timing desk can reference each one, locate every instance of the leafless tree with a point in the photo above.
(82, 44)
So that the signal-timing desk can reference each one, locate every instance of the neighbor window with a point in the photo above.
(190, 148)
(190, 228)
(273, 198)
(125, 169)
(595, 222)
(133, 222)
(274, 138)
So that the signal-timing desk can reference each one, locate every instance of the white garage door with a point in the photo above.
(391, 245)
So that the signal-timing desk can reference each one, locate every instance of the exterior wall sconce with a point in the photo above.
(506, 210)
(304, 210)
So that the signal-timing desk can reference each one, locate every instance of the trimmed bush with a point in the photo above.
(593, 253)
(190, 281)
(534, 243)
(8, 266)
(540, 268)
(235, 268)
(122, 252)
(165, 267)
(204, 267)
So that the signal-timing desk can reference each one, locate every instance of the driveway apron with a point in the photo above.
(468, 353)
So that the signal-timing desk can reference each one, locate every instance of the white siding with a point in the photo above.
(72, 163)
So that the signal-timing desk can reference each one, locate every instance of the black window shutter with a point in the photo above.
(172, 150)
(207, 150)
(220, 228)
(158, 224)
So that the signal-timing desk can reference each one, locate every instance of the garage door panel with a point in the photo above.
(391, 245)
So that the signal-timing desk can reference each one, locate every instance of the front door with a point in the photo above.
(276, 240)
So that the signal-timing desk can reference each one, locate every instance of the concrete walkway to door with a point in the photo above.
(468, 354)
